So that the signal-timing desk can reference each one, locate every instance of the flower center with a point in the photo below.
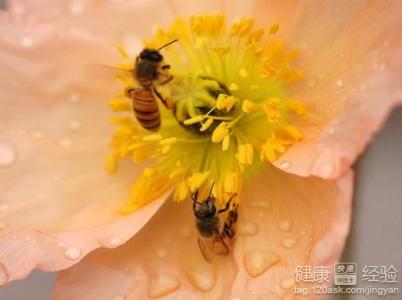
(229, 104)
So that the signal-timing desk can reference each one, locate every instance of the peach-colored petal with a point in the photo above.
(350, 52)
(306, 224)
(57, 203)
(285, 221)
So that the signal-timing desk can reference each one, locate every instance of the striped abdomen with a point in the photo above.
(146, 109)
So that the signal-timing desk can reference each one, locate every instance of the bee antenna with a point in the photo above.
(167, 44)
(212, 187)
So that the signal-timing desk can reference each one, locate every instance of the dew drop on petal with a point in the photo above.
(248, 229)
(37, 134)
(74, 97)
(271, 296)
(339, 82)
(284, 165)
(65, 142)
(119, 297)
(264, 204)
(4, 207)
(61, 244)
(185, 231)
(26, 42)
(7, 155)
(285, 225)
(326, 169)
(311, 82)
(203, 278)
(74, 125)
(72, 253)
(287, 283)
(27, 238)
(3, 225)
(114, 242)
(162, 285)
(76, 7)
(258, 262)
(4, 277)
(289, 242)
(161, 253)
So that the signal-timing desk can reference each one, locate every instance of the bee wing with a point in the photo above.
(212, 246)
(205, 249)
(109, 74)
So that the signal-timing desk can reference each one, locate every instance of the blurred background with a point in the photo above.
(376, 231)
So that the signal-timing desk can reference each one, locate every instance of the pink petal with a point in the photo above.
(350, 52)
(306, 224)
(164, 259)
(57, 203)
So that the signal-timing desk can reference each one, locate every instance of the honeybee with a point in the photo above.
(149, 71)
(212, 236)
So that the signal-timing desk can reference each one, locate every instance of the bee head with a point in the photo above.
(151, 55)
(205, 210)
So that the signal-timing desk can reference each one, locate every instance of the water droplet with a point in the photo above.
(265, 204)
(3, 275)
(386, 43)
(74, 125)
(37, 134)
(311, 82)
(76, 7)
(26, 42)
(248, 229)
(74, 97)
(3, 225)
(65, 142)
(56, 178)
(185, 231)
(162, 285)
(331, 130)
(339, 82)
(289, 242)
(326, 169)
(114, 242)
(271, 296)
(4, 207)
(73, 253)
(258, 262)
(284, 165)
(161, 253)
(203, 278)
(7, 155)
(119, 297)
(287, 283)
(285, 225)
(27, 238)
(61, 244)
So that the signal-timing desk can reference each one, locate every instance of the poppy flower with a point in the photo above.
(264, 106)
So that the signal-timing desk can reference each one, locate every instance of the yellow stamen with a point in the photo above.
(220, 132)
(248, 106)
(230, 86)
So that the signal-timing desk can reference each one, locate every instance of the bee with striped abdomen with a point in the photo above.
(149, 71)
(213, 238)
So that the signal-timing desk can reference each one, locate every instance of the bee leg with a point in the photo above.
(228, 231)
(167, 80)
(165, 67)
(194, 197)
(227, 204)
(167, 102)
(128, 91)
(231, 220)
